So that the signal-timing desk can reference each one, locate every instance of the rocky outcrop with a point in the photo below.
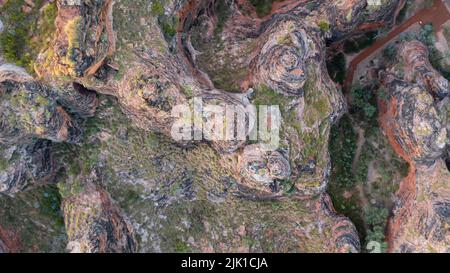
(83, 42)
(260, 169)
(418, 68)
(278, 50)
(282, 59)
(352, 16)
(77, 99)
(421, 215)
(30, 119)
(26, 164)
(30, 110)
(345, 236)
(284, 54)
(416, 127)
(414, 120)
(240, 59)
(93, 221)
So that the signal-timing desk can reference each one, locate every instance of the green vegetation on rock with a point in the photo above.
(263, 7)
(324, 26)
(26, 34)
(40, 227)
(3, 163)
(157, 7)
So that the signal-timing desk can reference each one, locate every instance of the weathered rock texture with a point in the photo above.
(352, 16)
(84, 39)
(94, 223)
(415, 122)
(282, 53)
(31, 119)
(415, 125)
(197, 197)
(418, 68)
(421, 217)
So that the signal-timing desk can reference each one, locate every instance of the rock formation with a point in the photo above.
(261, 168)
(418, 68)
(414, 124)
(31, 119)
(94, 223)
(351, 16)
(415, 121)
(84, 39)
(3, 248)
(420, 221)
(215, 194)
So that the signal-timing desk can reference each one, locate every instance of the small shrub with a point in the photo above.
(324, 26)
(364, 101)
(169, 29)
(3, 163)
(376, 216)
(157, 8)
(262, 7)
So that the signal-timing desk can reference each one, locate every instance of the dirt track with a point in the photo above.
(437, 15)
